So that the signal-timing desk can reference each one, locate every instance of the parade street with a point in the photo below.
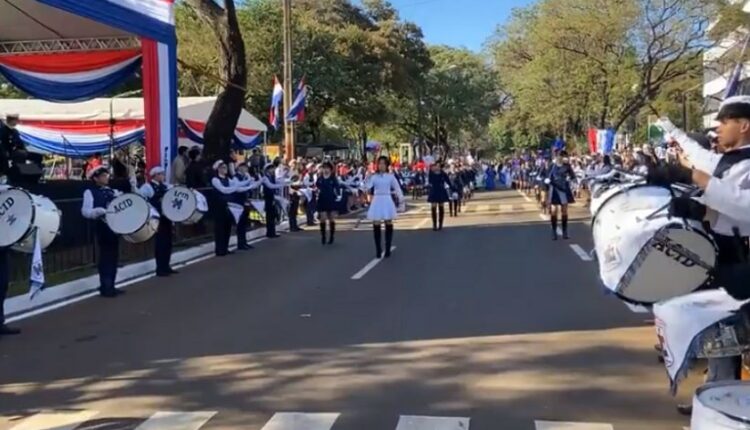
(486, 325)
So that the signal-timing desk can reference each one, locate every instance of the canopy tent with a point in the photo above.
(71, 50)
(82, 129)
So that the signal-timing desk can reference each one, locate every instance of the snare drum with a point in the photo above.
(722, 406)
(130, 216)
(22, 213)
(184, 205)
(644, 256)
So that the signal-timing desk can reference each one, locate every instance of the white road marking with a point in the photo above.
(56, 420)
(411, 422)
(301, 421)
(421, 224)
(483, 208)
(176, 421)
(583, 255)
(528, 199)
(371, 265)
(553, 425)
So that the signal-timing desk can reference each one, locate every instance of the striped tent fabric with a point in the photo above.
(70, 76)
(243, 138)
(80, 140)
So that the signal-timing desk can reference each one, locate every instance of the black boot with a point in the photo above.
(377, 233)
(553, 220)
(565, 226)
(434, 219)
(323, 232)
(333, 231)
(441, 216)
(388, 239)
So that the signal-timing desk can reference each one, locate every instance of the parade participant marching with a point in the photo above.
(269, 198)
(154, 191)
(308, 182)
(382, 208)
(560, 193)
(95, 202)
(226, 189)
(725, 179)
(242, 197)
(439, 185)
(329, 196)
(457, 191)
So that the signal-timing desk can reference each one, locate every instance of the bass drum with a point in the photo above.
(23, 213)
(184, 205)
(130, 216)
(722, 406)
(644, 256)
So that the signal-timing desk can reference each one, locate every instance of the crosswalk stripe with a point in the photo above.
(301, 421)
(68, 420)
(484, 208)
(559, 425)
(414, 422)
(176, 421)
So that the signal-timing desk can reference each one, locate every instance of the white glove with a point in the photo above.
(100, 212)
(665, 125)
(547, 181)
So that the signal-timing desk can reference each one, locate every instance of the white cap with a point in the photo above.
(96, 170)
(156, 170)
(735, 100)
(218, 164)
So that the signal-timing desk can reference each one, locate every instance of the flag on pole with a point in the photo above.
(297, 110)
(36, 279)
(276, 98)
(733, 85)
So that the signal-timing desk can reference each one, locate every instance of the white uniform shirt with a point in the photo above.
(87, 208)
(729, 196)
(385, 184)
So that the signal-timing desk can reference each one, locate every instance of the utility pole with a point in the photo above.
(288, 92)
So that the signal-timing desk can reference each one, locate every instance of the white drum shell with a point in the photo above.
(193, 205)
(138, 224)
(621, 230)
(43, 216)
(722, 406)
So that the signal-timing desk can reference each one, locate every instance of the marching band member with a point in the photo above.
(154, 191)
(269, 196)
(242, 196)
(439, 185)
(560, 193)
(294, 198)
(725, 179)
(308, 182)
(329, 196)
(227, 189)
(457, 191)
(382, 209)
(95, 202)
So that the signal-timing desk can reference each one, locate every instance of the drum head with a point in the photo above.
(731, 399)
(127, 213)
(16, 216)
(179, 204)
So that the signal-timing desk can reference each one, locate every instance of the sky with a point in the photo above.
(459, 23)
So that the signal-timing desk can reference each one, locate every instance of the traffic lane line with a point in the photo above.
(298, 421)
(414, 422)
(561, 425)
(369, 266)
(583, 255)
(421, 224)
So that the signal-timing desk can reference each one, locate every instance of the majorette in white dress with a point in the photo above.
(382, 207)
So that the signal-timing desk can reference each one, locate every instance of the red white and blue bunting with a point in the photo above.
(243, 138)
(79, 141)
(70, 76)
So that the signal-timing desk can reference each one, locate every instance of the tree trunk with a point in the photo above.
(222, 122)
(363, 141)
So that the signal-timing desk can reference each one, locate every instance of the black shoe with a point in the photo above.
(685, 410)
(378, 255)
(162, 274)
(245, 248)
(120, 292)
(174, 272)
(273, 236)
(387, 253)
(108, 294)
(6, 330)
(554, 236)
(565, 236)
(295, 229)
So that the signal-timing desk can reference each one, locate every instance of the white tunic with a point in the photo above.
(382, 207)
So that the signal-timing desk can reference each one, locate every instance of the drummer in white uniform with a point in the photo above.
(725, 179)
(383, 186)
(154, 191)
(95, 202)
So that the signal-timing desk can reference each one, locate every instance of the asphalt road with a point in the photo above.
(486, 325)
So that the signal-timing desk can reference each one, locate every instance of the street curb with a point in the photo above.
(22, 307)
